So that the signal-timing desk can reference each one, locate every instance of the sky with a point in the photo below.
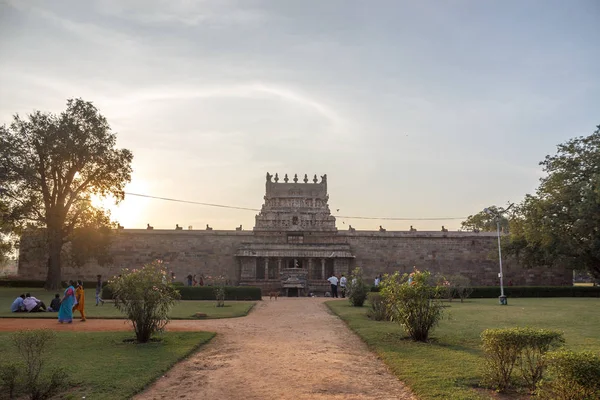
(413, 109)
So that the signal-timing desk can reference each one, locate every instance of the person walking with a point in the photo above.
(99, 290)
(343, 281)
(65, 313)
(80, 297)
(333, 280)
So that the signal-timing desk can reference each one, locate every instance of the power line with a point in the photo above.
(256, 209)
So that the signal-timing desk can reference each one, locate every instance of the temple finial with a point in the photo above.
(286, 179)
(295, 178)
(305, 178)
(276, 177)
(315, 180)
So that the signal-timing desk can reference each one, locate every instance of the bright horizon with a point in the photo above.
(412, 109)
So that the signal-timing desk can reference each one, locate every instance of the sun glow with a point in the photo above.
(128, 212)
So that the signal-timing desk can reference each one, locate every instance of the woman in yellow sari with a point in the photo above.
(80, 297)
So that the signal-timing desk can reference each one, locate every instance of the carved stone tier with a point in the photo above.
(295, 206)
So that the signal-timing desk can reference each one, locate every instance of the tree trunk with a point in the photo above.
(54, 278)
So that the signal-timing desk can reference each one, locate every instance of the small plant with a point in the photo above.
(413, 302)
(575, 376)
(379, 310)
(9, 374)
(460, 286)
(358, 290)
(145, 296)
(218, 284)
(31, 346)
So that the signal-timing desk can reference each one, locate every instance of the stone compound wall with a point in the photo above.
(212, 252)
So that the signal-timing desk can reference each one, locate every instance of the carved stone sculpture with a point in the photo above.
(149, 227)
(381, 229)
(276, 177)
(239, 228)
(177, 227)
(286, 179)
(412, 229)
(269, 176)
(208, 228)
(295, 178)
(305, 178)
(444, 229)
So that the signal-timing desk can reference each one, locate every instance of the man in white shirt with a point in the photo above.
(333, 280)
(343, 286)
(32, 304)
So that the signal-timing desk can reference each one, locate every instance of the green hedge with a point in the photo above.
(489, 292)
(29, 283)
(207, 293)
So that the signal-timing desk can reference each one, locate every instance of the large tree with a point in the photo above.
(560, 224)
(51, 164)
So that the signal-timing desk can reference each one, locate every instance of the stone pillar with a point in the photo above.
(310, 269)
(266, 268)
(323, 269)
(279, 261)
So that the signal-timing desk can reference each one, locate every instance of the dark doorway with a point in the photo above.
(292, 292)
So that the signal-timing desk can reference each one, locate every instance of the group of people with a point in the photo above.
(73, 300)
(336, 282)
(27, 303)
(195, 280)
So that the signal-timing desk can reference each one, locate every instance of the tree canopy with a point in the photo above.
(484, 222)
(560, 224)
(51, 164)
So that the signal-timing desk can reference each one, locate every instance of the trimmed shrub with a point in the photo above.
(29, 283)
(491, 292)
(358, 289)
(537, 342)
(231, 293)
(413, 303)
(501, 348)
(145, 296)
(379, 310)
(575, 376)
(523, 347)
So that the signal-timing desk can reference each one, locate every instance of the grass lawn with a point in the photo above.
(101, 366)
(182, 310)
(449, 366)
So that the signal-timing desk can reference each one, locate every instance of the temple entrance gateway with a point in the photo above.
(295, 246)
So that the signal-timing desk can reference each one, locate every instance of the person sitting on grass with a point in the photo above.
(32, 304)
(17, 305)
(55, 303)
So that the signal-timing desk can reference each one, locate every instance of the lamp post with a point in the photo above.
(497, 213)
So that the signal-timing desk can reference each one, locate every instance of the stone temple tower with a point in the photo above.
(295, 206)
(295, 245)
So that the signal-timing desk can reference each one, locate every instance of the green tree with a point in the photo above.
(484, 222)
(51, 164)
(560, 224)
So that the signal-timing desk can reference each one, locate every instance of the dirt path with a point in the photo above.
(292, 348)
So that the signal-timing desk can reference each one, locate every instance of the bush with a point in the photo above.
(145, 296)
(490, 292)
(460, 286)
(207, 293)
(357, 288)
(379, 310)
(576, 376)
(31, 346)
(9, 374)
(506, 348)
(413, 303)
(536, 343)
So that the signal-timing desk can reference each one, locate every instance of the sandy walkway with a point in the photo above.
(292, 348)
